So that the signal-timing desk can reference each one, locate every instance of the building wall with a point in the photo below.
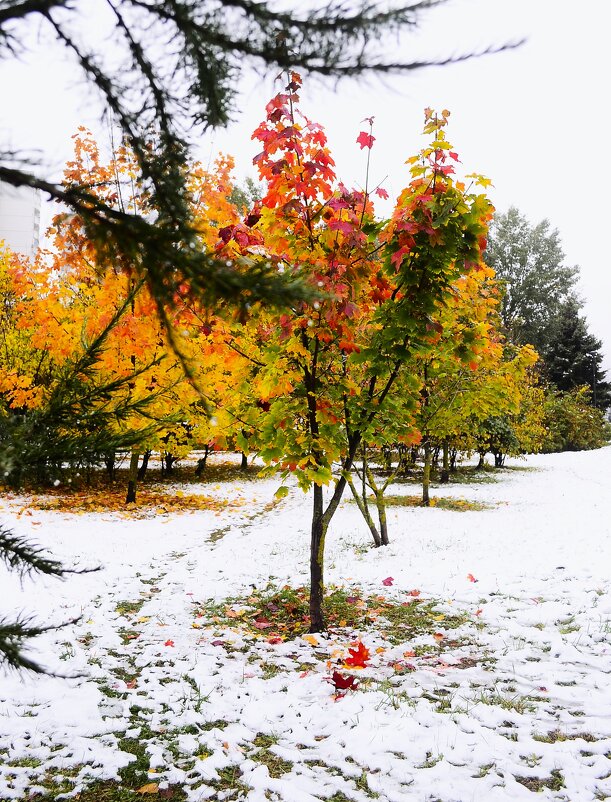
(20, 219)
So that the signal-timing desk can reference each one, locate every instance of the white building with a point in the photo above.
(20, 219)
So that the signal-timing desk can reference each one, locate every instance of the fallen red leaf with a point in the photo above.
(388, 581)
(344, 682)
(358, 656)
(413, 593)
(471, 578)
(169, 643)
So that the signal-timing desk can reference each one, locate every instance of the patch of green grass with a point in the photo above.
(430, 761)
(441, 502)
(129, 608)
(114, 792)
(470, 475)
(285, 612)
(24, 763)
(554, 736)
(229, 784)
(555, 782)
(217, 724)
(521, 704)
(483, 771)
(135, 774)
(362, 784)
(127, 635)
(264, 755)
(270, 670)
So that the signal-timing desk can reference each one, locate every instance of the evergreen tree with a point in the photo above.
(573, 356)
(74, 427)
(529, 262)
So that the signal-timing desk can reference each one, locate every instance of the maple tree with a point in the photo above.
(325, 372)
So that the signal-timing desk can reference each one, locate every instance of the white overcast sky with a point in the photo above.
(535, 120)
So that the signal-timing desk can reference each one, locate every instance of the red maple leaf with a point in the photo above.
(388, 581)
(169, 643)
(358, 656)
(365, 140)
(381, 193)
(344, 682)
(471, 578)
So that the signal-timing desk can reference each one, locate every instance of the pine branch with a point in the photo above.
(13, 636)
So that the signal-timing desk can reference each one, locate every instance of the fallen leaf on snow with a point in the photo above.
(358, 656)
(344, 682)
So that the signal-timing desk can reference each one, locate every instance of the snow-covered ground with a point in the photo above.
(513, 703)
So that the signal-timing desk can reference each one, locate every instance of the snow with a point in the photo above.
(532, 658)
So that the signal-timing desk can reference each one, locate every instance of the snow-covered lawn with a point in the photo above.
(514, 701)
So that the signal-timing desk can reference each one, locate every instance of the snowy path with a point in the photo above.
(516, 703)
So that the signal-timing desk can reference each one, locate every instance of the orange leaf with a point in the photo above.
(149, 788)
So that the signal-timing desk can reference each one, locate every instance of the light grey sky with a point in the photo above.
(533, 120)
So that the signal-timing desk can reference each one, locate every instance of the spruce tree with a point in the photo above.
(573, 356)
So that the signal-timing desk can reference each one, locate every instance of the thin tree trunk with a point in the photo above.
(132, 482)
(382, 518)
(110, 465)
(361, 503)
(201, 462)
(378, 493)
(426, 477)
(143, 467)
(317, 551)
(244, 462)
(445, 469)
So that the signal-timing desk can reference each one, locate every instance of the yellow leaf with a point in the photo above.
(143, 619)
(311, 639)
(149, 788)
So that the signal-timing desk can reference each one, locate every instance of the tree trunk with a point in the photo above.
(133, 478)
(145, 463)
(426, 476)
(482, 461)
(361, 503)
(244, 462)
(453, 456)
(317, 551)
(167, 463)
(201, 462)
(110, 465)
(445, 468)
(382, 518)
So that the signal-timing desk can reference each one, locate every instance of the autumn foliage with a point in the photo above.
(396, 346)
